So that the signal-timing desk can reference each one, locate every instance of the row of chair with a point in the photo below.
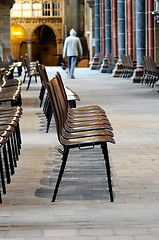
(151, 73)
(82, 127)
(72, 97)
(128, 66)
(15, 65)
(10, 144)
(111, 62)
(10, 114)
(8, 67)
(10, 90)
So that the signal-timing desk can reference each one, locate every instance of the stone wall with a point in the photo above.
(5, 40)
(28, 27)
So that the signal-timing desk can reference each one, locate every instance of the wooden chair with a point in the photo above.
(14, 64)
(31, 64)
(85, 132)
(31, 72)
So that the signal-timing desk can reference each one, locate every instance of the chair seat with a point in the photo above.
(85, 141)
(87, 128)
(87, 133)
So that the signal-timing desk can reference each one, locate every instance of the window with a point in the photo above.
(56, 9)
(26, 10)
(36, 9)
(16, 10)
(46, 9)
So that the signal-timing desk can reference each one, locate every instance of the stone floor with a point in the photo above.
(82, 210)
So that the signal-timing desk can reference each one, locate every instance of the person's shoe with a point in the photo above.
(72, 77)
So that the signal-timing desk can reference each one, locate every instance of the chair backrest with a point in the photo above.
(152, 64)
(55, 107)
(27, 65)
(39, 66)
(44, 74)
(27, 58)
(60, 101)
(61, 84)
(23, 63)
(130, 61)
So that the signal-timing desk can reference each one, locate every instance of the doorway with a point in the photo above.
(44, 47)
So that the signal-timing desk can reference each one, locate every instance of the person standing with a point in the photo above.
(72, 48)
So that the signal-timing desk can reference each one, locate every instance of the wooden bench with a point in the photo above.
(81, 128)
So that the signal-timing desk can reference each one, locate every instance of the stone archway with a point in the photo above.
(18, 42)
(44, 46)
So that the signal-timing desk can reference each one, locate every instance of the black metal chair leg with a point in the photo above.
(49, 116)
(29, 83)
(24, 78)
(18, 135)
(10, 156)
(2, 176)
(64, 160)
(35, 79)
(6, 164)
(106, 157)
(41, 96)
(13, 151)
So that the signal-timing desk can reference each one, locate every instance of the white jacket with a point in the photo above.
(72, 47)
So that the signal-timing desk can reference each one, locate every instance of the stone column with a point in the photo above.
(141, 39)
(91, 18)
(130, 29)
(29, 48)
(121, 34)
(121, 27)
(141, 30)
(5, 35)
(108, 26)
(115, 44)
(96, 60)
(91, 33)
(157, 35)
(150, 28)
(104, 67)
(103, 26)
(97, 27)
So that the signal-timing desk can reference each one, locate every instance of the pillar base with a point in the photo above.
(138, 73)
(104, 66)
(117, 70)
(95, 65)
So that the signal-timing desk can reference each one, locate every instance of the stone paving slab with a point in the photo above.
(82, 210)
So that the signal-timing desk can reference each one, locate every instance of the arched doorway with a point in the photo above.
(18, 42)
(44, 47)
